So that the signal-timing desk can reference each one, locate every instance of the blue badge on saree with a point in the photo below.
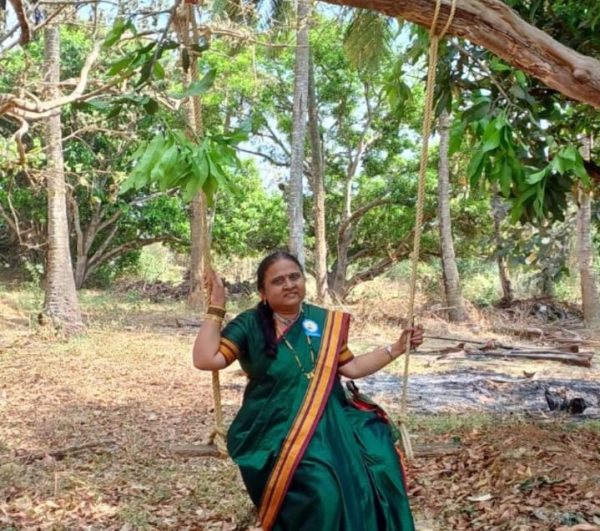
(311, 328)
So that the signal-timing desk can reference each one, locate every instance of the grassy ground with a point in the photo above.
(128, 390)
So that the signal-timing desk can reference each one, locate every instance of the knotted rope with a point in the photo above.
(217, 436)
(426, 132)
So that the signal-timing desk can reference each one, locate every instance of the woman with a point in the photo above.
(309, 459)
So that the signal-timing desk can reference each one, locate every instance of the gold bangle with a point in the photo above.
(213, 310)
(222, 308)
(214, 318)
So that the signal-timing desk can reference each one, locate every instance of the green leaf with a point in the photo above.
(101, 105)
(492, 141)
(119, 27)
(210, 189)
(536, 177)
(160, 173)
(521, 77)
(215, 169)
(505, 177)
(199, 166)
(146, 71)
(498, 66)
(119, 65)
(570, 153)
(491, 137)
(158, 71)
(199, 87)
(192, 186)
(141, 171)
(480, 109)
(457, 134)
(475, 167)
(518, 205)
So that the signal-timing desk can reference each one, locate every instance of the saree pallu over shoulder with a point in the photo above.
(335, 335)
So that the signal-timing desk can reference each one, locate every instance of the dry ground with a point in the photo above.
(128, 388)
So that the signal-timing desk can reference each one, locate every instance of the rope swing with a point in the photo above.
(217, 438)
(435, 39)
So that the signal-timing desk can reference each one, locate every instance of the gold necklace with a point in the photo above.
(311, 373)
(287, 321)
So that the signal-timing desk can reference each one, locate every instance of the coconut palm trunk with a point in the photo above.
(60, 301)
(295, 196)
(317, 182)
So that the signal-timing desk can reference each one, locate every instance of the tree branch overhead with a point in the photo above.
(495, 26)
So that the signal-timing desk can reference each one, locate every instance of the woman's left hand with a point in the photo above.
(416, 338)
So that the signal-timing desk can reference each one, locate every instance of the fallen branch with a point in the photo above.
(519, 332)
(195, 450)
(64, 452)
(436, 449)
(581, 359)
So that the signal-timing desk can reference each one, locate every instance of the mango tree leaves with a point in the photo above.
(498, 157)
(199, 87)
(171, 161)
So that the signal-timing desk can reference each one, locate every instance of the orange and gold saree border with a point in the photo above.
(308, 416)
(229, 350)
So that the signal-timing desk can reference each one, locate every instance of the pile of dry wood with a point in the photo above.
(566, 351)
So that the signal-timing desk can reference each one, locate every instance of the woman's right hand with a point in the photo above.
(216, 289)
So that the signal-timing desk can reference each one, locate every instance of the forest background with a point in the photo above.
(133, 133)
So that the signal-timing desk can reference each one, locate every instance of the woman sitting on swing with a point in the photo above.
(309, 459)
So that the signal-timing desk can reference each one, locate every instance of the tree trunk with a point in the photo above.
(295, 194)
(317, 183)
(451, 279)
(589, 280)
(495, 26)
(498, 213)
(199, 230)
(60, 302)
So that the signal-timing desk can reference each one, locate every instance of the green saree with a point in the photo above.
(309, 459)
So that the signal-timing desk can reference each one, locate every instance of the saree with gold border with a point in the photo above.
(309, 459)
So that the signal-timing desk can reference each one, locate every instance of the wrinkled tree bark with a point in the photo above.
(317, 182)
(60, 301)
(456, 311)
(295, 195)
(498, 213)
(495, 26)
(590, 299)
(199, 229)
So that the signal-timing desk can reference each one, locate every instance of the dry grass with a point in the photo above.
(128, 385)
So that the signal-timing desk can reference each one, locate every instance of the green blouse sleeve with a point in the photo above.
(234, 338)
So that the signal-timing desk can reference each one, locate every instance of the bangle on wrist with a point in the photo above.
(211, 317)
(388, 350)
(216, 310)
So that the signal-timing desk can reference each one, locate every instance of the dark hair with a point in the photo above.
(265, 312)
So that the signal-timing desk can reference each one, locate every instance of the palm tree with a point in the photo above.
(60, 302)
(299, 115)
(317, 184)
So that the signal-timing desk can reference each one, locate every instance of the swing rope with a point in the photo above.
(426, 132)
(217, 437)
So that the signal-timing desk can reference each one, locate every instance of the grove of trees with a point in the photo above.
(256, 126)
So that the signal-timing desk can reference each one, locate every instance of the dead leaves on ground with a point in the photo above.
(138, 391)
(513, 476)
